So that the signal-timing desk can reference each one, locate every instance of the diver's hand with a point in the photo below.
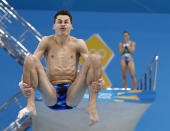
(26, 89)
(97, 85)
(126, 45)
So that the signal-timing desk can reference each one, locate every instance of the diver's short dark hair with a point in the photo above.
(126, 32)
(63, 12)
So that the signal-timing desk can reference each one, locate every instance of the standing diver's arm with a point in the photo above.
(121, 48)
(131, 48)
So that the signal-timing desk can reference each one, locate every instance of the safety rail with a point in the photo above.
(8, 111)
(13, 47)
(147, 81)
(16, 37)
(12, 100)
(14, 25)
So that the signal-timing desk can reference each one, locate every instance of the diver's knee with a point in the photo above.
(30, 61)
(95, 59)
(132, 76)
(124, 77)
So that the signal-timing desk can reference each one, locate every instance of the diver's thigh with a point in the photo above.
(48, 92)
(123, 66)
(131, 67)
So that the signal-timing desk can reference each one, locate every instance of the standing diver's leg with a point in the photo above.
(90, 73)
(124, 69)
(131, 67)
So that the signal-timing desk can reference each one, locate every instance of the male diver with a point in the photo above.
(62, 87)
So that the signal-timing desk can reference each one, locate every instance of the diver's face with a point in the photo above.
(126, 36)
(62, 25)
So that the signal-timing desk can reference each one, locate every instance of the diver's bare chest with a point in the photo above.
(62, 51)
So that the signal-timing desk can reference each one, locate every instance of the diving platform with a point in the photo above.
(118, 110)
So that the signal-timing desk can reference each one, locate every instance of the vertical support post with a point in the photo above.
(155, 73)
(141, 83)
(150, 77)
(145, 80)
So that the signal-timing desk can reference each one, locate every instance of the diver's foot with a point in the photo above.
(27, 111)
(93, 116)
(125, 88)
(134, 89)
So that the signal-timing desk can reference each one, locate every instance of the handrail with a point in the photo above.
(23, 32)
(145, 78)
(8, 39)
(14, 45)
(18, 124)
(11, 101)
(9, 9)
(155, 73)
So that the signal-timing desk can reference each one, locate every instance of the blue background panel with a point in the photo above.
(150, 32)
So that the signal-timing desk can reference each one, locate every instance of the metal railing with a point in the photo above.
(16, 37)
(13, 47)
(147, 81)
(16, 33)
(8, 111)
(11, 16)
(12, 100)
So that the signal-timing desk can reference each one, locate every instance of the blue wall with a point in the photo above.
(151, 32)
